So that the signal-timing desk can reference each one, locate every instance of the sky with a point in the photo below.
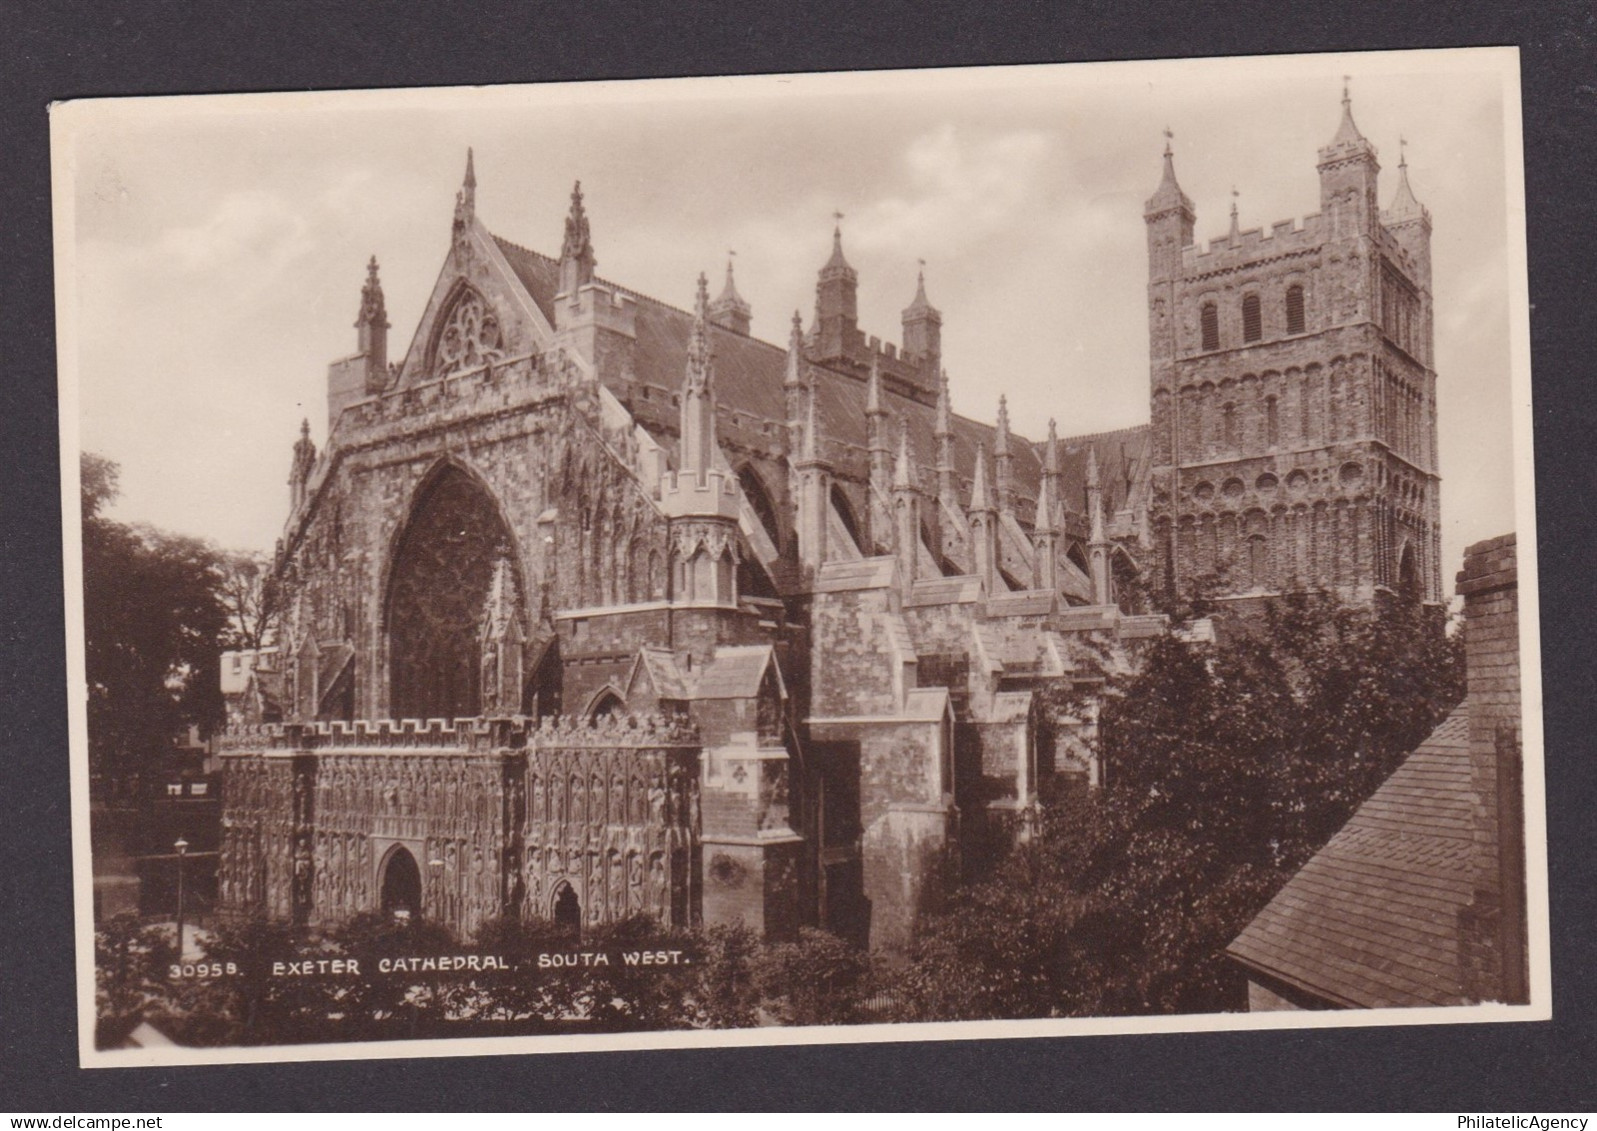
(214, 247)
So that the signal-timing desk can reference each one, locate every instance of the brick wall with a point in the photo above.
(1493, 927)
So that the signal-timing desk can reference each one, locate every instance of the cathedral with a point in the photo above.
(597, 606)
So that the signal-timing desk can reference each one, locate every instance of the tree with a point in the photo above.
(153, 620)
(130, 962)
(249, 594)
(1227, 765)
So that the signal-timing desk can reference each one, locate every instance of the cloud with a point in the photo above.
(252, 229)
(959, 191)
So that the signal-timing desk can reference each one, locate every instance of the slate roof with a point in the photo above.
(749, 393)
(734, 673)
(1372, 919)
(661, 667)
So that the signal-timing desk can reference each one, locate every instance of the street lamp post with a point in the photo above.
(182, 847)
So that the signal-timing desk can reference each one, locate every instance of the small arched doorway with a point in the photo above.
(401, 886)
(566, 910)
(607, 703)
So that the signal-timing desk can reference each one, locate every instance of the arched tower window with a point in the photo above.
(1209, 318)
(438, 588)
(1272, 422)
(1408, 575)
(1258, 563)
(1294, 309)
(1252, 323)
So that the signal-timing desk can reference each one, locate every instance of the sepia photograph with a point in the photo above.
(875, 556)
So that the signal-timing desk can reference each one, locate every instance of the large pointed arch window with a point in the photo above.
(438, 589)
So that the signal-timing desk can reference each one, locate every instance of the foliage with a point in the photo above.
(1227, 766)
(251, 1005)
(152, 622)
(610, 996)
(728, 985)
(818, 980)
(250, 595)
(130, 961)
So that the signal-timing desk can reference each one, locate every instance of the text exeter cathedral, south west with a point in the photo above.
(595, 606)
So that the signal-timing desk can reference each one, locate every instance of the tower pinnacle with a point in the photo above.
(1168, 197)
(576, 249)
(904, 466)
(697, 428)
(980, 493)
(371, 331)
(837, 261)
(946, 482)
(372, 310)
(1405, 206)
(923, 327)
(873, 390)
(812, 439)
(466, 198)
(699, 340)
(1347, 133)
(837, 303)
(730, 310)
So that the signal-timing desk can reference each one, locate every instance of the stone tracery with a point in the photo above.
(469, 336)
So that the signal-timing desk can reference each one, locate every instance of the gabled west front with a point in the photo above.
(597, 606)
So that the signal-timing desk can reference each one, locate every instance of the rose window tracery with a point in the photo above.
(471, 336)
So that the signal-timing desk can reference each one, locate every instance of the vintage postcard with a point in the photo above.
(802, 558)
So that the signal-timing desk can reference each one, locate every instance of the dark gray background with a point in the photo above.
(72, 50)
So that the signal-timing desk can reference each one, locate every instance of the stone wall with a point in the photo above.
(1307, 455)
(497, 816)
(1494, 926)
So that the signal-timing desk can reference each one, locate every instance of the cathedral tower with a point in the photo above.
(1293, 395)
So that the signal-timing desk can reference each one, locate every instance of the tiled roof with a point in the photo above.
(926, 704)
(734, 673)
(959, 590)
(1372, 919)
(847, 576)
(748, 383)
(660, 665)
